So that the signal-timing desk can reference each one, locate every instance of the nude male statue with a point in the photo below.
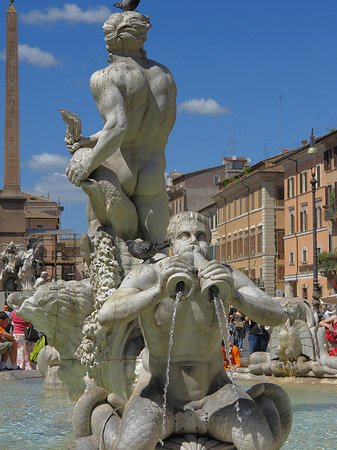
(136, 98)
(201, 399)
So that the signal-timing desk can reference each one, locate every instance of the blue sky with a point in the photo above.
(231, 61)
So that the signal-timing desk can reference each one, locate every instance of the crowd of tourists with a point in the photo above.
(240, 325)
(17, 341)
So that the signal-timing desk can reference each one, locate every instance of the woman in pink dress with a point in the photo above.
(24, 347)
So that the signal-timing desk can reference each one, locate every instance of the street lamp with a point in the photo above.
(315, 291)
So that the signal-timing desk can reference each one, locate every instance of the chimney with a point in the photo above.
(304, 142)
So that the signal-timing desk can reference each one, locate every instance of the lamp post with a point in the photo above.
(315, 292)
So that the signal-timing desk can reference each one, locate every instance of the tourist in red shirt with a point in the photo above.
(24, 347)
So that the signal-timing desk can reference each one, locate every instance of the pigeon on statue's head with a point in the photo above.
(127, 5)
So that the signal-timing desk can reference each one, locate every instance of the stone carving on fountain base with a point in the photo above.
(48, 363)
(193, 442)
(297, 348)
(20, 266)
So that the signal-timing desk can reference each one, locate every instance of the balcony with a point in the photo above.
(330, 212)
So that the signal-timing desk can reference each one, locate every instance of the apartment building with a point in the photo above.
(299, 165)
(250, 216)
(193, 191)
(330, 207)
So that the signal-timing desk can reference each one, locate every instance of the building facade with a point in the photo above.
(251, 225)
(193, 191)
(299, 166)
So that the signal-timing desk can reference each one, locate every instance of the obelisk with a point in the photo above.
(12, 215)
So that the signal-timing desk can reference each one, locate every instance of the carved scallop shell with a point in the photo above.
(192, 442)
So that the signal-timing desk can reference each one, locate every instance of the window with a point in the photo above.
(252, 242)
(291, 221)
(246, 246)
(328, 159)
(318, 176)
(280, 272)
(234, 204)
(216, 179)
(213, 220)
(252, 200)
(259, 240)
(304, 255)
(222, 214)
(303, 182)
(240, 206)
(261, 272)
(217, 250)
(246, 203)
(319, 249)
(240, 245)
(330, 242)
(291, 187)
(223, 249)
(235, 247)
(304, 218)
(260, 198)
(229, 248)
(291, 258)
(280, 243)
(252, 274)
(228, 211)
(279, 195)
(39, 226)
(335, 156)
(328, 195)
(319, 215)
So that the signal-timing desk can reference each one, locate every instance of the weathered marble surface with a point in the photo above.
(297, 348)
(58, 309)
(19, 265)
(48, 363)
(121, 168)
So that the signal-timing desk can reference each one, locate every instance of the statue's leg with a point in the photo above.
(234, 417)
(142, 422)
(153, 215)
(108, 205)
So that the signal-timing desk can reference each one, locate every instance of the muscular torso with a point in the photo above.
(196, 359)
(149, 93)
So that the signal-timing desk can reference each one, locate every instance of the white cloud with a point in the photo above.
(47, 162)
(203, 107)
(69, 13)
(58, 185)
(37, 57)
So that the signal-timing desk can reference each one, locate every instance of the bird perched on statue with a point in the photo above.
(127, 5)
(145, 250)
